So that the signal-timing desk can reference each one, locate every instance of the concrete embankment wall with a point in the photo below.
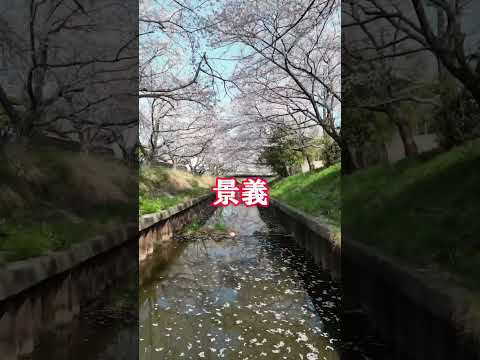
(156, 241)
(46, 293)
(418, 317)
(317, 238)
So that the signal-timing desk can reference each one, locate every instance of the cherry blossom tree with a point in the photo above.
(385, 73)
(176, 135)
(291, 57)
(446, 28)
(228, 69)
(56, 86)
(177, 101)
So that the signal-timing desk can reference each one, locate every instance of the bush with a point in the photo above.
(330, 152)
(458, 117)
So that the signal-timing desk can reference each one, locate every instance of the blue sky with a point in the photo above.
(222, 59)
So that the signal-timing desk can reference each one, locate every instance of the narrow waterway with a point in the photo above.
(249, 295)
(244, 291)
(106, 329)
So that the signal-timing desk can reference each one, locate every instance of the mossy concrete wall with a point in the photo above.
(156, 239)
(46, 293)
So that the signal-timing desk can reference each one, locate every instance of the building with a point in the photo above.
(422, 68)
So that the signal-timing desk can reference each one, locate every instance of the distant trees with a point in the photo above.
(458, 116)
(233, 73)
(280, 154)
(329, 151)
(176, 134)
(286, 75)
(287, 152)
(396, 55)
(290, 66)
(441, 32)
(176, 102)
(71, 89)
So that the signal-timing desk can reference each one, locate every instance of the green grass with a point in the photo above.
(150, 206)
(424, 211)
(220, 227)
(191, 228)
(195, 227)
(52, 198)
(19, 241)
(161, 188)
(317, 193)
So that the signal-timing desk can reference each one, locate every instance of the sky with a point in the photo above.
(222, 59)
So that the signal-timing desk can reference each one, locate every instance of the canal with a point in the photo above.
(106, 329)
(247, 292)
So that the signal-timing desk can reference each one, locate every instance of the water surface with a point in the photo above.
(106, 329)
(249, 296)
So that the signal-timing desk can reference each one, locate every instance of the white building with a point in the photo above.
(421, 67)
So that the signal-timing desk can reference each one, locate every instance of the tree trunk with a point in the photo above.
(360, 158)
(440, 29)
(349, 160)
(311, 166)
(476, 92)
(406, 133)
(408, 140)
(6, 104)
(383, 152)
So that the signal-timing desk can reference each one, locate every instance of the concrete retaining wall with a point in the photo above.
(313, 235)
(419, 316)
(47, 292)
(157, 230)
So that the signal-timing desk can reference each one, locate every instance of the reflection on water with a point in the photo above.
(106, 330)
(250, 296)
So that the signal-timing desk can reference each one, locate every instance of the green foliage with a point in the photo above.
(192, 228)
(23, 241)
(152, 180)
(150, 205)
(458, 116)
(153, 205)
(361, 126)
(282, 153)
(161, 188)
(424, 210)
(330, 152)
(51, 198)
(220, 226)
(316, 192)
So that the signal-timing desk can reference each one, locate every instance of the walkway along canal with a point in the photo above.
(248, 293)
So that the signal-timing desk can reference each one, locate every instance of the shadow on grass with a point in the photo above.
(424, 211)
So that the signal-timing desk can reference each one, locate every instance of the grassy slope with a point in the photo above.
(161, 188)
(317, 193)
(50, 199)
(424, 211)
